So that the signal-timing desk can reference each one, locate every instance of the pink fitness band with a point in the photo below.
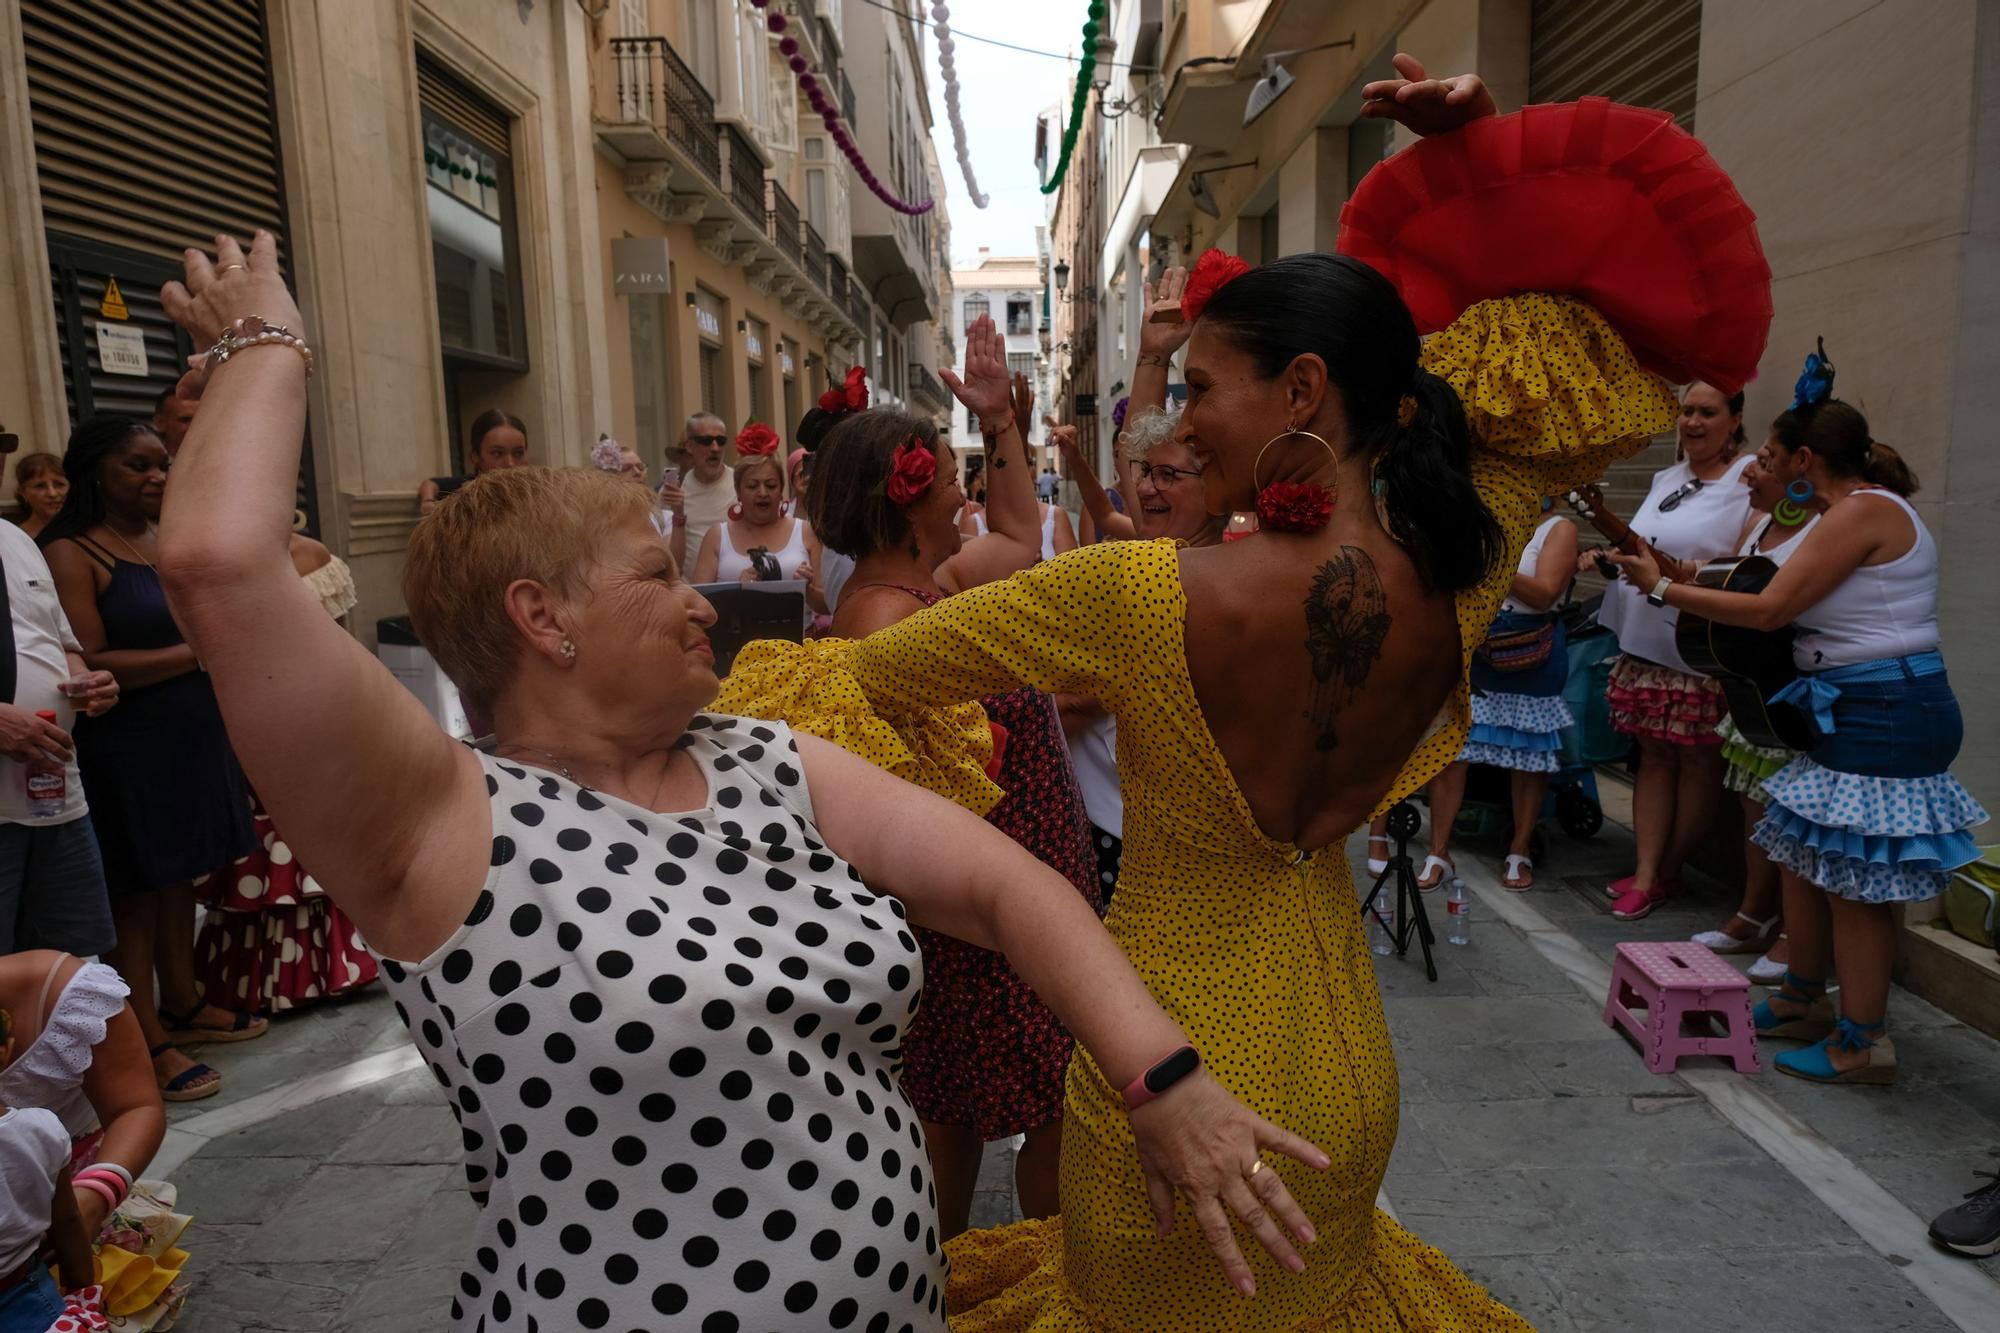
(1160, 1076)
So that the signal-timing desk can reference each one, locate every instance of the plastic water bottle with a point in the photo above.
(1382, 926)
(1458, 910)
(48, 783)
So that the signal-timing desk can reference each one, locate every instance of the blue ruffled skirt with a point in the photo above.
(1873, 814)
(1518, 731)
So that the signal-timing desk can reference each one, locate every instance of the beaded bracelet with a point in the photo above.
(252, 331)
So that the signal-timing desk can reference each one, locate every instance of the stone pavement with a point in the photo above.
(1536, 1151)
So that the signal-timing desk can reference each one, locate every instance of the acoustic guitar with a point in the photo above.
(1750, 665)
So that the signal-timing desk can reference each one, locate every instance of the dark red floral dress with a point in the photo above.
(982, 1050)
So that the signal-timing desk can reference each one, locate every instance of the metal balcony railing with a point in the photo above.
(925, 389)
(857, 304)
(836, 281)
(746, 172)
(781, 221)
(816, 257)
(656, 87)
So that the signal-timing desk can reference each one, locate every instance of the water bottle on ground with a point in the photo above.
(1458, 910)
(48, 783)
(1382, 926)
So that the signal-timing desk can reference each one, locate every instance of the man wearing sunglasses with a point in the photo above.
(705, 492)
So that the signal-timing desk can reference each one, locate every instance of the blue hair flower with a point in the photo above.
(1815, 384)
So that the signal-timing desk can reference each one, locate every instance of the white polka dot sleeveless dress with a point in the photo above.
(672, 1043)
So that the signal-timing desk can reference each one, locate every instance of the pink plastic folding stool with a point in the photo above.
(1669, 981)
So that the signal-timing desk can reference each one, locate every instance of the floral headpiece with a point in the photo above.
(911, 473)
(756, 440)
(1118, 411)
(1212, 272)
(606, 456)
(850, 396)
(1815, 384)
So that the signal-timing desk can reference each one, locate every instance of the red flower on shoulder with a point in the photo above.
(756, 440)
(911, 473)
(1293, 506)
(1211, 272)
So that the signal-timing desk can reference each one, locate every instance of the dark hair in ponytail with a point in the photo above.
(1838, 435)
(1344, 312)
(847, 503)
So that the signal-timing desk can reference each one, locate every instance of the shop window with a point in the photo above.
(475, 249)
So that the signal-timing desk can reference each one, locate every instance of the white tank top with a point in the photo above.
(1048, 529)
(1697, 528)
(1755, 543)
(731, 565)
(1532, 557)
(1887, 610)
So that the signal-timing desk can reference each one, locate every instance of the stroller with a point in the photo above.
(1572, 800)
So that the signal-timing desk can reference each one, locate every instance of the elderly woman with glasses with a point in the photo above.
(660, 961)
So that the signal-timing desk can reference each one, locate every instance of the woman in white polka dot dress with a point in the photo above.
(634, 945)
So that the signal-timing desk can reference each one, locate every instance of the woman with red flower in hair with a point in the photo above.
(758, 542)
(984, 1058)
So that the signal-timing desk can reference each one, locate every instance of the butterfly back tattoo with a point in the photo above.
(1347, 622)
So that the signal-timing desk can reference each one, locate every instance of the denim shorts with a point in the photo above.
(31, 1305)
(52, 893)
(1909, 728)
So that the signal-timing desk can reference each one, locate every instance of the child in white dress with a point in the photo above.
(37, 1205)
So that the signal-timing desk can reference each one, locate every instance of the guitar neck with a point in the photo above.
(1591, 508)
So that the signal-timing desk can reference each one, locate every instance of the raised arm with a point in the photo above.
(1555, 568)
(1161, 334)
(957, 874)
(1097, 507)
(332, 742)
(1013, 539)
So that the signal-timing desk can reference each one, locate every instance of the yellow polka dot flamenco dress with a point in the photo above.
(1255, 949)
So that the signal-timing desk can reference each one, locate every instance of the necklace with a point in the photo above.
(132, 550)
(563, 768)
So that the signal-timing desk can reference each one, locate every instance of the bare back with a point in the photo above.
(1317, 676)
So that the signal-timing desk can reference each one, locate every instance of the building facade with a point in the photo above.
(1900, 276)
(600, 216)
(1009, 288)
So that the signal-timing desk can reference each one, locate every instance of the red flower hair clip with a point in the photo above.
(756, 440)
(1211, 273)
(911, 473)
(849, 396)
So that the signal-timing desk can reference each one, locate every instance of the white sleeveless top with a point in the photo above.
(49, 1073)
(1531, 557)
(1703, 526)
(1777, 555)
(1048, 530)
(731, 565)
(1887, 610)
(672, 1044)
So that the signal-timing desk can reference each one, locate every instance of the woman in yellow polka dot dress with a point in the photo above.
(1256, 733)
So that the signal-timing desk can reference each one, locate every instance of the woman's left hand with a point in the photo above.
(232, 287)
(1197, 1139)
(983, 385)
(1428, 106)
(1642, 571)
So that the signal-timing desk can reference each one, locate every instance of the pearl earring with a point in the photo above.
(568, 650)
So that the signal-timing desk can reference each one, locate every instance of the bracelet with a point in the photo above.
(97, 1186)
(1160, 359)
(1163, 1074)
(117, 1184)
(1005, 422)
(112, 1168)
(252, 331)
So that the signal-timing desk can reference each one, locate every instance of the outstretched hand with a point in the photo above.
(1198, 1140)
(983, 385)
(234, 285)
(1164, 331)
(1428, 106)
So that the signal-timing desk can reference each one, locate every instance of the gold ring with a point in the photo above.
(1255, 1167)
(226, 267)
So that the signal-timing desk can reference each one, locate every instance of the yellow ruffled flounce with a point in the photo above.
(808, 687)
(1011, 1280)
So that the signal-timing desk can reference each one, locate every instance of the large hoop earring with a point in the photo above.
(1791, 511)
(1284, 434)
(1293, 506)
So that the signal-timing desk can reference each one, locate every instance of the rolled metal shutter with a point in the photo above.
(1640, 52)
(153, 131)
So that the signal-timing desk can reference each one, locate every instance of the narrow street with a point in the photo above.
(1536, 1151)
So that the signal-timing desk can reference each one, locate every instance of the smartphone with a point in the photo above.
(669, 476)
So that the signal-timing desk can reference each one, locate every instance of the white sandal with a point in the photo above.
(1377, 864)
(1446, 872)
(1722, 942)
(1517, 866)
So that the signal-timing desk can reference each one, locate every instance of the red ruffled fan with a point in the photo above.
(1613, 204)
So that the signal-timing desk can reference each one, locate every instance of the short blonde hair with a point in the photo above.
(536, 523)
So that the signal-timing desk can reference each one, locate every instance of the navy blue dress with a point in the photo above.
(167, 797)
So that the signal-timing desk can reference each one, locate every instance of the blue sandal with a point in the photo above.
(182, 1031)
(1815, 1024)
(177, 1089)
(1815, 1064)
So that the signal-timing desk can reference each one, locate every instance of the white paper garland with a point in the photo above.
(941, 20)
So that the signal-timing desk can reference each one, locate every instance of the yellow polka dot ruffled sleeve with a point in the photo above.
(1258, 956)
(945, 750)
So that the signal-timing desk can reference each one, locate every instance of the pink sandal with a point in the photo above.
(1633, 905)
